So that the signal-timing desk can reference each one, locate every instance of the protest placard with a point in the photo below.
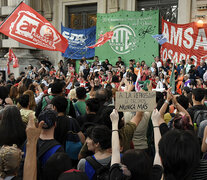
(135, 101)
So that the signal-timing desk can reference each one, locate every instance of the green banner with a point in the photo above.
(132, 37)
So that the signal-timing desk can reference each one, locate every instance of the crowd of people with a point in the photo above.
(59, 124)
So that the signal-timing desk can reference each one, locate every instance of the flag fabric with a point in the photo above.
(8, 67)
(78, 40)
(103, 39)
(28, 27)
(172, 79)
(160, 38)
(12, 57)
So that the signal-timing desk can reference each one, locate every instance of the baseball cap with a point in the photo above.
(73, 174)
(49, 117)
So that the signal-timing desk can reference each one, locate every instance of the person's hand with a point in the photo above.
(149, 86)
(174, 100)
(32, 131)
(114, 116)
(155, 117)
(92, 84)
(169, 94)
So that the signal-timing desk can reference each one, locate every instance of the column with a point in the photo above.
(184, 11)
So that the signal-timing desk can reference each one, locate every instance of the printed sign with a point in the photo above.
(135, 101)
(26, 26)
(184, 41)
(132, 36)
(78, 40)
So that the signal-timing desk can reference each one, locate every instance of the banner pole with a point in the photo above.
(10, 14)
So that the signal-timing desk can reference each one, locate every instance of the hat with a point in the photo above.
(73, 174)
(49, 117)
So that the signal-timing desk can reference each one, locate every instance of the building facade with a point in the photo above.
(80, 14)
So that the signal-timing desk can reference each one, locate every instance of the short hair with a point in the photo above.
(93, 105)
(24, 100)
(60, 103)
(183, 101)
(57, 87)
(10, 75)
(49, 117)
(81, 93)
(102, 135)
(199, 94)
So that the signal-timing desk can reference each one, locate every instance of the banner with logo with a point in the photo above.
(184, 41)
(78, 41)
(132, 38)
(26, 26)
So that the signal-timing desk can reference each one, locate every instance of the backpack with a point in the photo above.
(199, 116)
(101, 172)
(43, 154)
(77, 112)
(73, 144)
(48, 101)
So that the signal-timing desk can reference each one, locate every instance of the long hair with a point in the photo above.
(182, 122)
(13, 93)
(12, 128)
(32, 103)
(180, 154)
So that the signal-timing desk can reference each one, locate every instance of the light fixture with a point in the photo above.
(200, 20)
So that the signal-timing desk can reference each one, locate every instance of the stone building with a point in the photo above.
(80, 14)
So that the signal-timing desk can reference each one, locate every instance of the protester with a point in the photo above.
(77, 105)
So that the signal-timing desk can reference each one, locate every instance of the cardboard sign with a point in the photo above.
(135, 101)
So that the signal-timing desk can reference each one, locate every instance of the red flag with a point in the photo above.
(12, 57)
(8, 68)
(28, 27)
(102, 39)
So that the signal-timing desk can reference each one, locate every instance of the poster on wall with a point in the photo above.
(78, 42)
(184, 41)
(132, 38)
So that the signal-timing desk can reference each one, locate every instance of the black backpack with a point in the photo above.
(199, 116)
(101, 172)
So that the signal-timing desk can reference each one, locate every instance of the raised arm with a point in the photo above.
(115, 138)
(157, 136)
(166, 103)
(30, 164)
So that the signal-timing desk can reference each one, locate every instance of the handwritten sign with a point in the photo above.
(135, 101)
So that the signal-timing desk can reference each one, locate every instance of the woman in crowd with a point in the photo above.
(12, 128)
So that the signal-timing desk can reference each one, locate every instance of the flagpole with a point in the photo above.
(10, 14)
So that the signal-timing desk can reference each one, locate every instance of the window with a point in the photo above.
(81, 16)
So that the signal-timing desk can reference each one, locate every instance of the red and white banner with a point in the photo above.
(184, 41)
(29, 27)
(102, 39)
